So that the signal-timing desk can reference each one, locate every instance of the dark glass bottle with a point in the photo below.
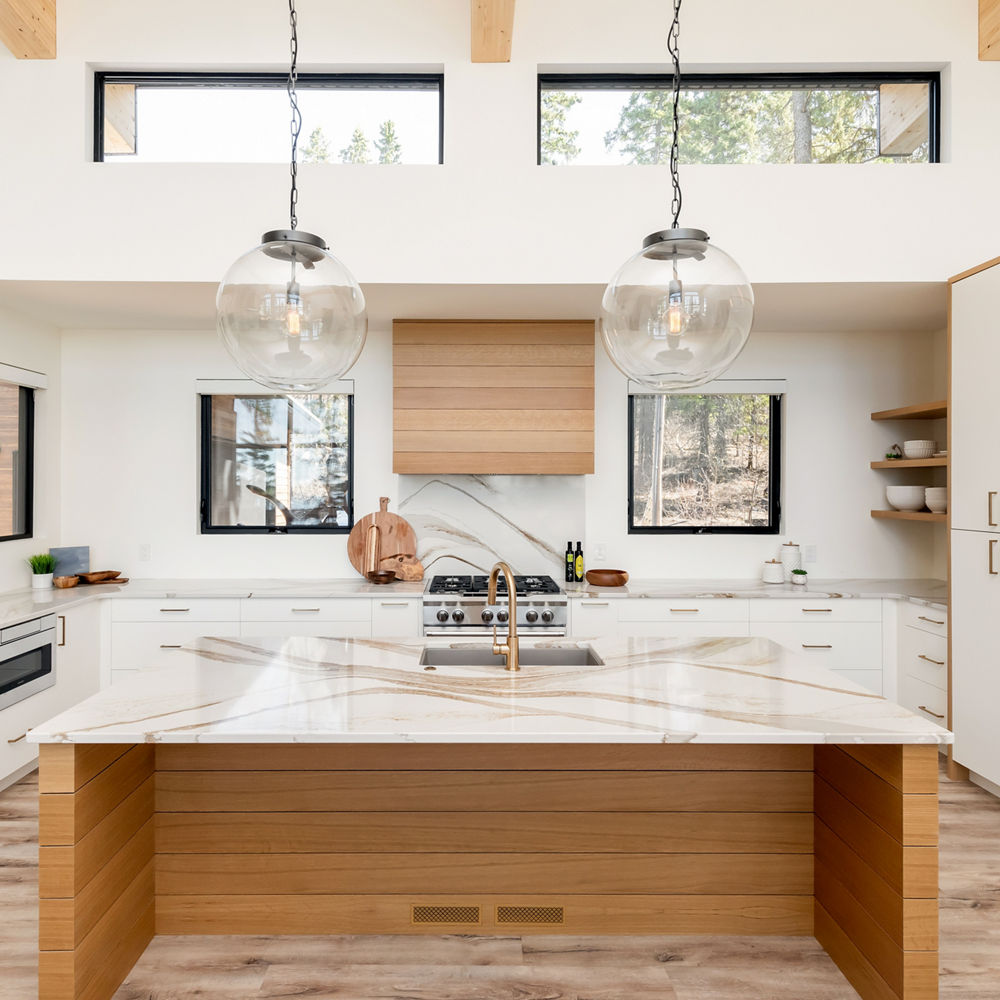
(570, 563)
(578, 563)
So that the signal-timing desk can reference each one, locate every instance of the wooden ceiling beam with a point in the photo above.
(28, 28)
(492, 30)
(989, 29)
(903, 118)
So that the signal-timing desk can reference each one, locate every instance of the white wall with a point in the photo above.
(29, 345)
(490, 214)
(833, 384)
(130, 465)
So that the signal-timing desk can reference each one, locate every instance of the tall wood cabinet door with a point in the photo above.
(975, 655)
(974, 405)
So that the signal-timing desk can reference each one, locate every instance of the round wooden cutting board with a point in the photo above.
(396, 536)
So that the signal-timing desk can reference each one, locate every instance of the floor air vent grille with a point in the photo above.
(529, 914)
(445, 914)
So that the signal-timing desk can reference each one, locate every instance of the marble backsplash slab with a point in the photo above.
(464, 524)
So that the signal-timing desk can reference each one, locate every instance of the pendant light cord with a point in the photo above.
(296, 123)
(673, 47)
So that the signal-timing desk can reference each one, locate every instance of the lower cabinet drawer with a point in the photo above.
(924, 699)
(199, 609)
(323, 629)
(397, 619)
(683, 609)
(593, 618)
(142, 645)
(304, 609)
(924, 656)
(934, 620)
(837, 645)
(815, 610)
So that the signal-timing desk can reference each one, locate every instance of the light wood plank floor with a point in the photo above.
(522, 968)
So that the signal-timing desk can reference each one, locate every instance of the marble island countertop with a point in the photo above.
(920, 591)
(733, 690)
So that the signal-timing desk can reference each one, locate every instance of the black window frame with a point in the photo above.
(773, 527)
(267, 81)
(204, 505)
(26, 401)
(720, 81)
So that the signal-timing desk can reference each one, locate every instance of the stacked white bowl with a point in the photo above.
(936, 498)
(919, 449)
(906, 497)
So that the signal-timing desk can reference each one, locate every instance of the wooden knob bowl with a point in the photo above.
(607, 577)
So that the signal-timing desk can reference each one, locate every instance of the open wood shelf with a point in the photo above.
(919, 411)
(910, 515)
(911, 463)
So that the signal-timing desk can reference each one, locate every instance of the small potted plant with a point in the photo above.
(42, 566)
(800, 577)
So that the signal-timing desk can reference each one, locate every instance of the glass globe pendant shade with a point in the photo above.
(291, 314)
(677, 313)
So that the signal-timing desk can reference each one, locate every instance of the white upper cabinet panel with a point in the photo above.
(975, 412)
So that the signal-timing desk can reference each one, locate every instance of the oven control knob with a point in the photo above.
(502, 616)
(442, 615)
(487, 616)
(547, 615)
(531, 616)
(458, 615)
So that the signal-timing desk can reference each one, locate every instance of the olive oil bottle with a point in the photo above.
(570, 563)
(578, 563)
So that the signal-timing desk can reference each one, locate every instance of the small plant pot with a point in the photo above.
(800, 579)
(41, 581)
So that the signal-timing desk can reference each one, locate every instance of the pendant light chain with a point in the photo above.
(673, 47)
(296, 123)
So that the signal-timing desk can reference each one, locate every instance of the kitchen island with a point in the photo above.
(305, 786)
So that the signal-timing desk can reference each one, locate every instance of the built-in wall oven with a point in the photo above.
(27, 659)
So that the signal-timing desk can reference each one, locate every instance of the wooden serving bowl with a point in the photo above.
(100, 576)
(63, 582)
(607, 577)
(382, 576)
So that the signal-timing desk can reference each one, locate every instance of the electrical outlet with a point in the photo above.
(809, 553)
(600, 553)
(145, 552)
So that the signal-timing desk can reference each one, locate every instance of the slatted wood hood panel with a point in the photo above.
(509, 397)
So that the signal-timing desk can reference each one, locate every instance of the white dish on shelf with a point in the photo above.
(936, 498)
(905, 497)
(919, 449)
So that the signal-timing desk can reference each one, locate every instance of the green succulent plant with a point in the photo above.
(42, 563)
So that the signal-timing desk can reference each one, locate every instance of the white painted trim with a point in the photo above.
(771, 386)
(247, 387)
(985, 784)
(23, 376)
(22, 772)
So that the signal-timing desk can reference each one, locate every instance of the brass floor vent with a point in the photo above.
(529, 914)
(444, 914)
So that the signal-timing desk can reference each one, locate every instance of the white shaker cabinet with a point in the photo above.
(976, 650)
(975, 419)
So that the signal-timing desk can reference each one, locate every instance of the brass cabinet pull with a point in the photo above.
(932, 621)
(596, 604)
(924, 708)
(394, 604)
(62, 642)
(993, 571)
(989, 508)
(303, 611)
(816, 645)
(17, 739)
(176, 611)
(937, 663)
(686, 611)
(164, 645)
(816, 611)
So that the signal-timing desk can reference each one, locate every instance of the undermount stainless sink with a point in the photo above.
(483, 656)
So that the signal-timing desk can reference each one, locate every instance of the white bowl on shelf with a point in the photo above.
(919, 449)
(906, 497)
(936, 498)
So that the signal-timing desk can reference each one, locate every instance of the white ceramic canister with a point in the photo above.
(773, 572)
(791, 558)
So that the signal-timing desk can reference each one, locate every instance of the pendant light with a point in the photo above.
(678, 312)
(289, 312)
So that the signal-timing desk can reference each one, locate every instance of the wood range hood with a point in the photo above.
(487, 397)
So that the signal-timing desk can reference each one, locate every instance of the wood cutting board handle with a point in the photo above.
(383, 504)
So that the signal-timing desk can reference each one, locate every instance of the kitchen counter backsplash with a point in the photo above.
(464, 524)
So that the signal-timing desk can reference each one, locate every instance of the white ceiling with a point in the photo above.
(792, 308)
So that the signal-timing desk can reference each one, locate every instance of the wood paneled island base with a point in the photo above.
(836, 841)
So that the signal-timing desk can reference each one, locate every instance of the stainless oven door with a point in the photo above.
(27, 666)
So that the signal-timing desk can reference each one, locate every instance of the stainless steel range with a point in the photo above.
(456, 605)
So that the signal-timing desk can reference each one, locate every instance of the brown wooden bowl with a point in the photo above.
(63, 582)
(100, 576)
(382, 576)
(607, 577)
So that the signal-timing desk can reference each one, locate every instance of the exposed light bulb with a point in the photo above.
(293, 302)
(677, 317)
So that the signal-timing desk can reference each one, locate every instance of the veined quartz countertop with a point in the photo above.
(647, 690)
(920, 591)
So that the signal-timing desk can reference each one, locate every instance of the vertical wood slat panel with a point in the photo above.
(446, 367)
